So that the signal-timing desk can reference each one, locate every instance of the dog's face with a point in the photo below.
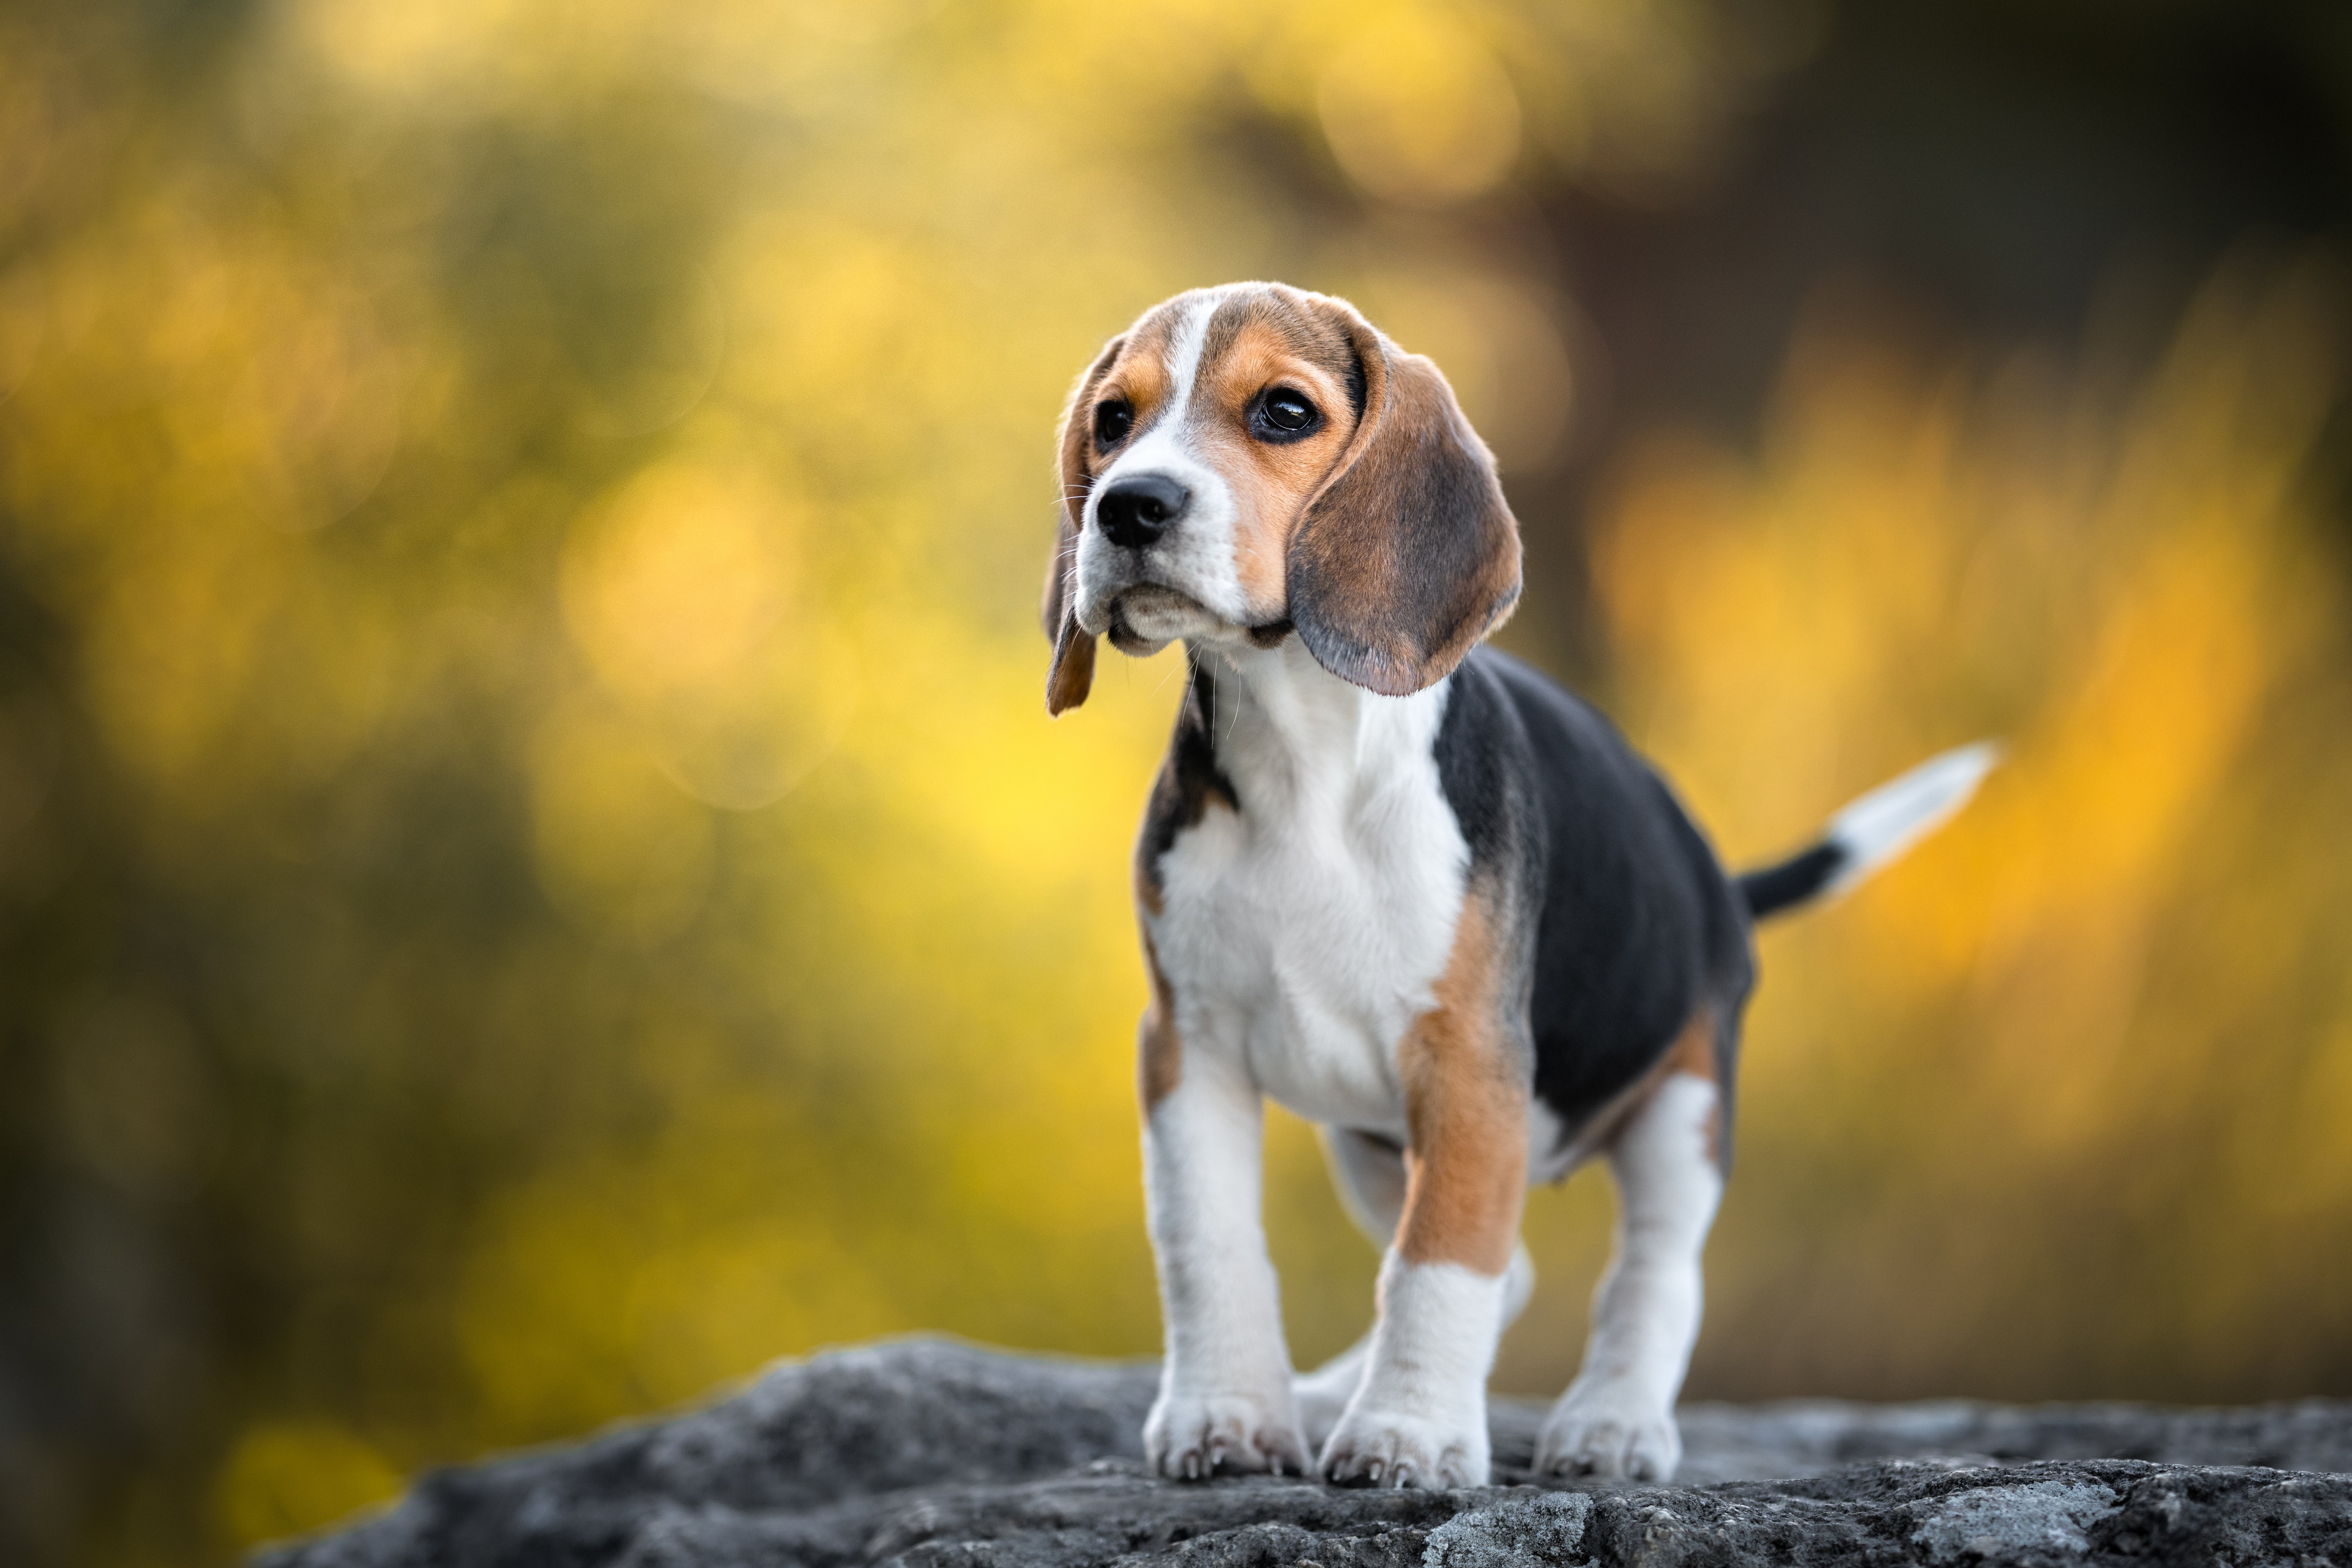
(1249, 461)
(1198, 447)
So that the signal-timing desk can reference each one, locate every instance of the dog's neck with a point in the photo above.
(1288, 731)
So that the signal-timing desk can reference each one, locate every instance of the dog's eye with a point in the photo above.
(1283, 413)
(1112, 422)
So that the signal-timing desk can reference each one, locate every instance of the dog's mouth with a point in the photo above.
(1148, 617)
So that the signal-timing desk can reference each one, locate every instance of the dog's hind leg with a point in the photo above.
(1618, 1418)
(1368, 1172)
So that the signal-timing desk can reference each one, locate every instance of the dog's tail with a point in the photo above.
(1871, 831)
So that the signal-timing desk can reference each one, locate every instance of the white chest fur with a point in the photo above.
(1303, 935)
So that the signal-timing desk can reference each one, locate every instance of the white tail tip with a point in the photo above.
(1882, 823)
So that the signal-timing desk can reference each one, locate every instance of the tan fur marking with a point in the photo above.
(1271, 483)
(1141, 375)
(1691, 1054)
(1158, 1053)
(1147, 885)
(1072, 674)
(1467, 1109)
(1694, 1057)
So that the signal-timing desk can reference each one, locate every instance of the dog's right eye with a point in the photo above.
(1280, 415)
(1112, 422)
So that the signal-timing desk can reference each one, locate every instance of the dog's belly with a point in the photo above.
(1303, 955)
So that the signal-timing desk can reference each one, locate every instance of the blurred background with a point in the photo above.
(534, 875)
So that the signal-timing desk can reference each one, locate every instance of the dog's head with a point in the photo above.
(1248, 460)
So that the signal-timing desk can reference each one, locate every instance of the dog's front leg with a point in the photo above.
(1225, 1388)
(1420, 1417)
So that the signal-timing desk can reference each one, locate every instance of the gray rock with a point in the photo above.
(1546, 1527)
(2037, 1517)
(925, 1452)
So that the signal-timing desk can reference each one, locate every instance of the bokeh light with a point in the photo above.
(534, 873)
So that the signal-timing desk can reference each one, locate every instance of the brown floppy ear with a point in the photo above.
(1408, 554)
(1072, 674)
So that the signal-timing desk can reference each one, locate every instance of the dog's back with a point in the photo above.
(1638, 929)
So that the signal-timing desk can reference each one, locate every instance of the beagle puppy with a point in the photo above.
(1405, 885)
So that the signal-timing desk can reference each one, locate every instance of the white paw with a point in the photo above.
(1390, 1448)
(1609, 1431)
(1190, 1437)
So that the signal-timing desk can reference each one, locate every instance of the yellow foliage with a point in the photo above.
(286, 1477)
(2125, 599)
(1417, 113)
(557, 875)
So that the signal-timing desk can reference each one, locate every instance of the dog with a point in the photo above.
(1406, 886)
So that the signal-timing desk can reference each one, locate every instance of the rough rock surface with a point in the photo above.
(927, 1452)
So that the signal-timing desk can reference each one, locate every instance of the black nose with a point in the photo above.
(1135, 511)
